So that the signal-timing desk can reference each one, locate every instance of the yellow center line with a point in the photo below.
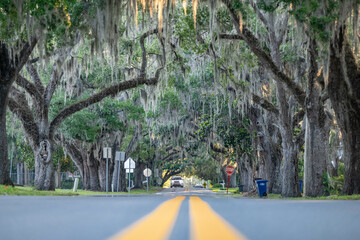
(155, 226)
(207, 224)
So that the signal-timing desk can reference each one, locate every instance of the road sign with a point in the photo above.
(147, 172)
(106, 152)
(107, 155)
(229, 170)
(119, 156)
(129, 163)
(131, 170)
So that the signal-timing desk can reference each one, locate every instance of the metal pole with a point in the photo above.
(11, 158)
(107, 163)
(129, 175)
(147, 184)
(227, 190)
(118, 179)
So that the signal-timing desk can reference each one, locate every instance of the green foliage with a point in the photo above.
(184, 30)
(170, 101)
(206, 168)
(205, 127)
(26, 154)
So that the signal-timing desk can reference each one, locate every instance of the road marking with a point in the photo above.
(207, 224)
(157, 225)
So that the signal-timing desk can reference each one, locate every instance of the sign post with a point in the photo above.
(120, 157)
(129, 165)
(107, 155)
(147, 174)
(229, 170)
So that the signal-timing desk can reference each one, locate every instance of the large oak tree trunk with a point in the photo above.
(246, 173)
(4, 161)
(44, 169)
(316, 155)
(316, 132)
(344, 92)
(10, 66)
(93, 170)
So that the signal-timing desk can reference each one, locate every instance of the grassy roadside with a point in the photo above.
(235, 191)
(331, 197)
(223, 190)
(29, 191)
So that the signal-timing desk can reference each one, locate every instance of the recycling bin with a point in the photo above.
(262, 188)
(241, 188)
(300, 183)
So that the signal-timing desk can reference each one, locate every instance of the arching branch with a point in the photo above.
(35, 76)
(142, 44)
(265, 104)
(110, 91)
(29, 87)
(264, 57)
(19, 106)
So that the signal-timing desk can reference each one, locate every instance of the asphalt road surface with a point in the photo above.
(175, 214)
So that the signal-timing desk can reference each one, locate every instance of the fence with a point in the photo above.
(66, 179)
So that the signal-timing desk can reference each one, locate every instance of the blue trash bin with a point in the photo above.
(300, 183)
(262, 188)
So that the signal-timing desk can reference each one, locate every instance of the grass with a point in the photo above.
(231, 190)
(331, 197)
(30, 191)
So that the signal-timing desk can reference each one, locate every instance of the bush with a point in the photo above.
(217, 185)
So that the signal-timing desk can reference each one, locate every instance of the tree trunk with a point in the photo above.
(4, 161)
(10, 66)
(344, 92)
(273, 171)
(102, 174)
(316, 132)
(315, 157)
(93, 170)
(246, 173)
(138, 173)
(44, 170)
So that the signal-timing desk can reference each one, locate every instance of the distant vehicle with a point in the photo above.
(198, 185)
(176, 181)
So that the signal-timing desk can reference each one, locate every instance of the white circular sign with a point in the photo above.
(147, 172)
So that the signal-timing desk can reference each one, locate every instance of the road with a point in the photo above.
(176, 214)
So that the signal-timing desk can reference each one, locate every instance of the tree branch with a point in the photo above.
(35, 76)
(60, 58)
(265, 104)
(19, 106)
(25, 53)
(264, 57)
(217, 149)
(143, 49)
(30, 88)
(259, 14)
(113, 90)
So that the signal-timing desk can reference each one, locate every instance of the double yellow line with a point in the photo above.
(205, 223)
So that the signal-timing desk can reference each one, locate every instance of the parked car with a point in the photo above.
(198, 185)
(176, 181)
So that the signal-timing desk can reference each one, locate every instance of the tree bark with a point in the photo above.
(246, 173)
(44, 170)
(10, 66)
(344, 93)
(316, 133)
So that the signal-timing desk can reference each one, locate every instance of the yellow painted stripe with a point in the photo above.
(155, 226)
(207, 224)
